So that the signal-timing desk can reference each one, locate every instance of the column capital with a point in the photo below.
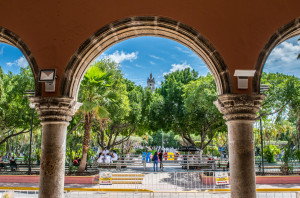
(239, 106)
(55, 109)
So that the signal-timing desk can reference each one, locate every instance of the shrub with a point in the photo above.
(270, 151)
(140, 151)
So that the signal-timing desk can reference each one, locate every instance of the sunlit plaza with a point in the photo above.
(150, 99)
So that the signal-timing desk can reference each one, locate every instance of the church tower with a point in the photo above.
(151, 83)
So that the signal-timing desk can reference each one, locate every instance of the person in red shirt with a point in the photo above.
(75, 162)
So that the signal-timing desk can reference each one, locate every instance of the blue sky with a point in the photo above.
(140, 56)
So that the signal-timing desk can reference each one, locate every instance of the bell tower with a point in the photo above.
(151, 83)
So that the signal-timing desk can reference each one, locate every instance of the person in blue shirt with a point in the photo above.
(155, 161)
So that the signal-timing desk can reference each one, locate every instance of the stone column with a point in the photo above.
(240, 114)
(55, 114)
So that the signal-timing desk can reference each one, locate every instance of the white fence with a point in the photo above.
(101, 194)
(164, 181)
(74, 194)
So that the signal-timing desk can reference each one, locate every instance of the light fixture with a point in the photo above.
(48, 76)
(243, 76)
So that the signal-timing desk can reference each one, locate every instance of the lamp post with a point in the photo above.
(32, 106)
(162, 140)
(263, 88)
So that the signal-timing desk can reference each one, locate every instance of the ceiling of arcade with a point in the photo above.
(238, 30)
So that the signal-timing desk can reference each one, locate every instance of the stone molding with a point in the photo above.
(239, 106)
(55, 109)
(137, 26)
(8, 37)
(285, 32)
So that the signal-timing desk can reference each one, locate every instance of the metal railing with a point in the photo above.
(187, 162)
(100, 194)
(79, 194)
(163, 181)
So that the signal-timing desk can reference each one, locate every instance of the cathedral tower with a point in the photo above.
(151, 83)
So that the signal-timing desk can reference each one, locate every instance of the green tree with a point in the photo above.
(169, 140)
(202, 117)
(95, 92)
(15, 113)
(282, 101)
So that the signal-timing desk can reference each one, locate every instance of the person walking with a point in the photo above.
(160, 156)
(155, 161)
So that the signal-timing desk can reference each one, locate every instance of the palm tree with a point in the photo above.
(95, 92)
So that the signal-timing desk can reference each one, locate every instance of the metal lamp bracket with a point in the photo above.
(48, 76)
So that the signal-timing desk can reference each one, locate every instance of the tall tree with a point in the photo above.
(283, 99)
(15, 113)
(95, 91)
(202, 118)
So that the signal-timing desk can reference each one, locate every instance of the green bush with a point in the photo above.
(212, 150)
(140, 151)
(73, 169)
(270, 151)
(297, 155)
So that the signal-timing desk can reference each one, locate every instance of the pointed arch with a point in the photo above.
(285, 32)
(8, 37)
(143, 26)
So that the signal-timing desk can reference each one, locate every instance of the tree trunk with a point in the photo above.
(200, 155)
(298, 132)
(86, 141)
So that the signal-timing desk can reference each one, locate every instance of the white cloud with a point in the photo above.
(176, 67)
(182, 50)
(139, 66)
(156, 57)
(152, 63)
(285, 52)
(283, 58)
(1, 50)
(122, 56)
(21, 62)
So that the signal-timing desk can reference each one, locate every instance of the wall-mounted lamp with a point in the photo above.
(243, 76)
(48, 76)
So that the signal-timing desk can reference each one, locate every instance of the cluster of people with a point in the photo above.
(106, 156)
(12, 163)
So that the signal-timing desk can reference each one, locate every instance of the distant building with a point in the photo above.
(151, 83)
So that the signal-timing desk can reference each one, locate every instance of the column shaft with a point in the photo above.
(240, 114)
(55, 114)
(241, 159)
(52, 170)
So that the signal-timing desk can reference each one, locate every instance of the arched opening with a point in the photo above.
(173, 74)
(8, 37)
(18, 73)
(143, 26)
(277, 130)
(285, 32)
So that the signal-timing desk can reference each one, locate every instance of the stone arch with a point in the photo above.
(287, 31)
(8, 37)
(143, 26)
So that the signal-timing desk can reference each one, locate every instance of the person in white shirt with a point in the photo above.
(105, 151)
(107, 159)
(114, 157)
(101, 158)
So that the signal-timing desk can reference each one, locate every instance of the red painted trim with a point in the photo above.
(35, 179)
(265, 180)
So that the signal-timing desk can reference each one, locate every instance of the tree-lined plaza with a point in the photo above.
(130, 119)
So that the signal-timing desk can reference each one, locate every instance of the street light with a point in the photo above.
(32, 106)
(263, 88)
